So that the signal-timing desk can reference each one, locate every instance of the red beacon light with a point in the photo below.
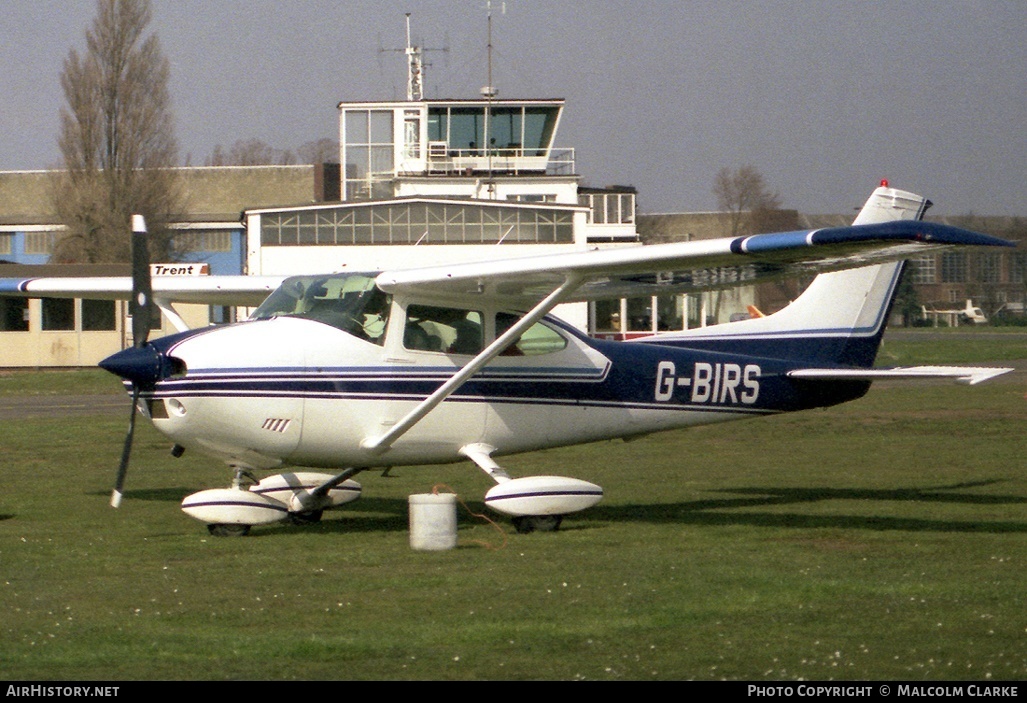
(884, 182)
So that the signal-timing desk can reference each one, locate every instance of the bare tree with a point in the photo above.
(319, 151)
(256, 152)
(250, 152)
(744, 194)
(116, 139)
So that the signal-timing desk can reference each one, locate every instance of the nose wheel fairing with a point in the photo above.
(297, 497)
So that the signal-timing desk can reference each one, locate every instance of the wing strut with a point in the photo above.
(169, 311)
(316, 499)
(382, 443)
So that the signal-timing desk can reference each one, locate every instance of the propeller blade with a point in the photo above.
(141, 309)
(126, 451)
(141, 304)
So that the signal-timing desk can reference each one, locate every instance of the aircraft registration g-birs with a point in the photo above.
(354, 371)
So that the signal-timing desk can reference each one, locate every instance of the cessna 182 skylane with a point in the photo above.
(352, 371)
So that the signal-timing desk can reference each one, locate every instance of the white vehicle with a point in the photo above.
(969, 313)
(338, 373)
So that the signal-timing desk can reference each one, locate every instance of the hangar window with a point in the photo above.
(58, 314)
(99, 316)
(417, 223)
(221, 314)
(14, 315)
(989, 267)
(40, 243)
(206, 240)
(925, 269)
(1018, 268)
(6, 244)
(606, 315)
(640, 314)
(953, 267)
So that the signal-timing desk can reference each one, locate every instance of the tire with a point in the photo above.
(526, 524)
(226, 530)
(308, 518)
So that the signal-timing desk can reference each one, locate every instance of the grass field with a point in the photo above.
(883, 539)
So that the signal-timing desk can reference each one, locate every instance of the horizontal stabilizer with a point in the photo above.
(970, 375)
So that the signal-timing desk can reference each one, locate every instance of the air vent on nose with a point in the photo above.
(276, 424)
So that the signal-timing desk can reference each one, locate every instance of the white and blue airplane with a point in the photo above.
(344, 372)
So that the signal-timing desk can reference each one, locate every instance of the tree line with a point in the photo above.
(256, 152)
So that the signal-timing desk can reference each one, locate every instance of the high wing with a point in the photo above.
(213, 290)
(682, 267)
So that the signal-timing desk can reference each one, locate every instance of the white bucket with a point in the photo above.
(433, 521)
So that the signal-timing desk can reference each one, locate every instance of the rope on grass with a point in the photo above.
(488, 545)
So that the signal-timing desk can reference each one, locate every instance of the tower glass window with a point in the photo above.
(368, 153)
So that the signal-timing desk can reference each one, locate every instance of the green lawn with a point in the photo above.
(56, 382)
(961, 345)
(883, 539)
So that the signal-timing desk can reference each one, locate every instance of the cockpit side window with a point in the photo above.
(536, 340)
(442, 329)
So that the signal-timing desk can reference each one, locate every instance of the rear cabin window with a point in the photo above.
(537, 339)
(441, 329)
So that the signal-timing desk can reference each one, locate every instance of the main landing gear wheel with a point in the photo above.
(537, 523)
(227, 530)
(308, 518)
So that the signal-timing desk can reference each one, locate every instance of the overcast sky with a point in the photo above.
(824, 97)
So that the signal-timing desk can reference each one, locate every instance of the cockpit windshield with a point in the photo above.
(348, 301)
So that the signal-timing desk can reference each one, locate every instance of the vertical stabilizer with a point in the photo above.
(856, 301)
(889, 205)
(840, 317)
